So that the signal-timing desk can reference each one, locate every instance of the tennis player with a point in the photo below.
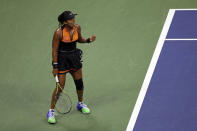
(67, 58)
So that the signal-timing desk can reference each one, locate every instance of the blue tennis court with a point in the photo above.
(167, 100)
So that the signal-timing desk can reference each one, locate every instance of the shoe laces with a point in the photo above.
(51, 113)
(83, 105)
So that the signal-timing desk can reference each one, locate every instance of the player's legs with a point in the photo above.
(77, 77)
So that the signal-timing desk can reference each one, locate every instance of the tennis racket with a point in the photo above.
(63, 103)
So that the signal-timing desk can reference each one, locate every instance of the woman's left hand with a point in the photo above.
(92, 38)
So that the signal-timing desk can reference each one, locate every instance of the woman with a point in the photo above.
(67, 58)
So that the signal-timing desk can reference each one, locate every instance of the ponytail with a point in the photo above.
(61, 19)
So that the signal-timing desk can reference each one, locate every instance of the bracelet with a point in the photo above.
(55, 65)
(88, 40)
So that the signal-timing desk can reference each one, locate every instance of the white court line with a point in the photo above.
(183, 39)
(150, 71)
(185, 9)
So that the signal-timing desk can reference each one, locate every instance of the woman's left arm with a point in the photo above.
(84, 40)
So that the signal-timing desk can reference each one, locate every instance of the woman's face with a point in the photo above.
(70, 22)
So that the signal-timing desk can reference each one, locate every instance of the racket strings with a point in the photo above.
(63, 102)
(63, 105)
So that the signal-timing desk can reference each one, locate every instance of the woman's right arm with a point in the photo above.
(55, 45)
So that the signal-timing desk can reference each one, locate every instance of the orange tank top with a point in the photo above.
(68, 41)
(67, 38)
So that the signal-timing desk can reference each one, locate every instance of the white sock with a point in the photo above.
(51, 109)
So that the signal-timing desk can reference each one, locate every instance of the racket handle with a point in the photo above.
(56, 78)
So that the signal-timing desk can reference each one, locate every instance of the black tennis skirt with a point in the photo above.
(69, 60)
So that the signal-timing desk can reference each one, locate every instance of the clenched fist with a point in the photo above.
(92, 38)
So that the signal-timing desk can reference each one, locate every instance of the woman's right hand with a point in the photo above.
(55, 72)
